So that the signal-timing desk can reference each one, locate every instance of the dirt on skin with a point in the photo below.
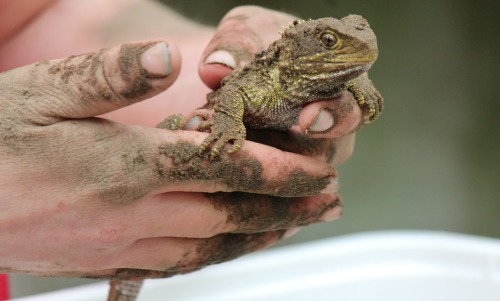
(188, 166)
(250, 212)
(209, 251)
(245, 175)
(239, 175)
(84, 73)
(88, 67)
(132, 72)
(149, 167)
(85, 68)
(254, 212)
(242, 209)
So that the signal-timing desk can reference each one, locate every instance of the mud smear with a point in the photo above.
(83, 72)
(250, 212)
(135, 77)
(12, 133)
(86, 71)
(137, 160)
(243, 174)
(257, 213)
(345, 110)
(226, 247)
(149, 168)
(135, 274)
(221, 248)
(172, 122)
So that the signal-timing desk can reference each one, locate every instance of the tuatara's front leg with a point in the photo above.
(223, 128)
(367, 96)
(226, 124)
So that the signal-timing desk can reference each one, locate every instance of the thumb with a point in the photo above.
(94, 83)
(243, 32)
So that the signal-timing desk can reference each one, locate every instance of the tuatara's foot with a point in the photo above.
(367, 96)
(223, 128)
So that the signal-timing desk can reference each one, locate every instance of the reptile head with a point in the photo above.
(329, 50)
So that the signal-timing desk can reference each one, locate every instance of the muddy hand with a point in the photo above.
(84, 196)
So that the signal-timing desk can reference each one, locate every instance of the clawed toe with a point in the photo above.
(223, 129)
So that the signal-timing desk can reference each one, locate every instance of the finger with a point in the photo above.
(332, 150)
(242, 33)
(255, 168)
(197, 215)
(96, 83)
(171, 256)
(251, 213)
(114, 163)
(331, 118)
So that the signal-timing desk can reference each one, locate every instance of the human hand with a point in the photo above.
(84, 196)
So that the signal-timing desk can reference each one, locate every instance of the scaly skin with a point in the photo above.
(313, 60)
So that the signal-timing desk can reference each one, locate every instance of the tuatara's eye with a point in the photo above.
(329, 39)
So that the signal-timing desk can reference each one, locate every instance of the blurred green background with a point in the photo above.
(432, 160)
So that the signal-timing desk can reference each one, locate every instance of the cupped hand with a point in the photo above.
(85, 196)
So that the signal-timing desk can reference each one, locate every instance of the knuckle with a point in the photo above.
(25, 138)
(100, 80)
(85, 76)
(128, 176)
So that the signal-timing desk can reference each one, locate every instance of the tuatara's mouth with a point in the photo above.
(335, 64)
(338, 68)
(369, 57)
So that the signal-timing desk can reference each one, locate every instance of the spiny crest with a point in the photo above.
(291, 25)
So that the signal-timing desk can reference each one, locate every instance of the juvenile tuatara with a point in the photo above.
(313, 60)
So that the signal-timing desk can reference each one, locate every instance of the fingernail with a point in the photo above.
(221, 57)
(332, 187)
(323, 122)
(192, 124)
(332, 214)
(290, 232)
(156, 60)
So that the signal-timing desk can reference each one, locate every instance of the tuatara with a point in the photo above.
(313, 60)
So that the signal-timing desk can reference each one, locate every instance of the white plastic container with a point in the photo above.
(373, 266)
